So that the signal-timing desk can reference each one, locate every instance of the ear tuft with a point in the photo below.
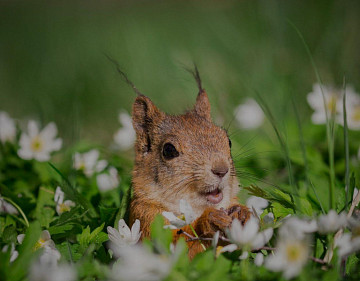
(145, 115)
(202, 106)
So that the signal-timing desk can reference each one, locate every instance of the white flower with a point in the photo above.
(356, 191)
(352, 109)
(7, 208)
(249, 115)
(45, 240)
(347, 244)
(187, 216)
(124, 236)
(7, 128)
(259, 259)
(88, 162)
(108, 181)
(333, 102)
(215, 239)
(298, 228)
(354, 225)
(39, 145)
(50, 254)
(334, 105)
(331, 222)
(248, 236)
(40, 271)
(137, 263)
(257, 203)
(220, 249)
(269, 218)
(59, 195)
(62, 206)
(13, 253)
(290, 256)
(125, 136)
(244, 255)
(20, 238)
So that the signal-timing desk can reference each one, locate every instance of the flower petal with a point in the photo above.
(174, 221)
(185, 208)
(33, 129)
(124, 230)
(135, 231)
(262, 238)
(49, 132)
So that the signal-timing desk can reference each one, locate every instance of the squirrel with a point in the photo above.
(184, 157)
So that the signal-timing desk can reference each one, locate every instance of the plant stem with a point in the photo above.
(330, 124)
(346, 147)
(18, 208)
(193, 230)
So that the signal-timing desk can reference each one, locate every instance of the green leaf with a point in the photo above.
(70, 251)
(10, 234)
(84, 237)
(108, 215)
(304, 206)
(73, 194)
(45, 205)
(101, 238)
(19, 268)
(87, 237)
(96, 231)
(161, 237)
(42, 169)
(60, 229)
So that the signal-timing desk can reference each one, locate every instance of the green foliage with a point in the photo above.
(161, 237)
(243, 49)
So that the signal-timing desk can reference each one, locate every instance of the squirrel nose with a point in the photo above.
(220, 171)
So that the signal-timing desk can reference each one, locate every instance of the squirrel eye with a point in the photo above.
(230, 144)
(169, 151)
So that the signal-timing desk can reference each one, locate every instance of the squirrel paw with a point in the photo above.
(219, 220)
(240, 212)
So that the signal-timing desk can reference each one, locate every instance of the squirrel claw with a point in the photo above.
(240, 212)
(219, 220)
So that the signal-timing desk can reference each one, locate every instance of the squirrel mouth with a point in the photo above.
(214, 196)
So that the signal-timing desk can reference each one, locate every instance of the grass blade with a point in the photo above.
(330, 122)
(346, 147)
(283, 145)
(73, 193)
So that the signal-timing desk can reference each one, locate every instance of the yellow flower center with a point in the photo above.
(81, 166)
(64, 208)
(356, 231)
(294, 252)
(182, 217)
(37, 144)
(331, 105)
(356, 114)
(218, 250)
(39, 244)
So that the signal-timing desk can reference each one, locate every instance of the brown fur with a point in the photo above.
(159, 184)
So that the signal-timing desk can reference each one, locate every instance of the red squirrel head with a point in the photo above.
(182, 157)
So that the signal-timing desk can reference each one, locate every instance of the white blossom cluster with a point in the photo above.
(134, 261)
(90, 164)
(327, 102)
(292, 249)
(40, 144)
(35, 143)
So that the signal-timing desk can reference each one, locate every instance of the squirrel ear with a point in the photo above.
(202, 106)
(144, 115)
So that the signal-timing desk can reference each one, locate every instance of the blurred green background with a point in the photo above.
(53, 67)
